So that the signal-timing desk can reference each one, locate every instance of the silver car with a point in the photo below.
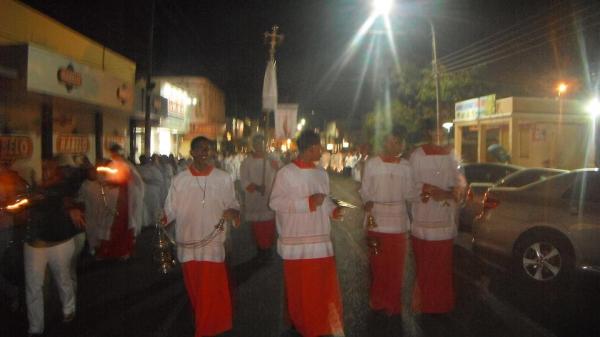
(472, 205)
(545, 230)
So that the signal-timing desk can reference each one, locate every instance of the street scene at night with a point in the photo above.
(299, 168)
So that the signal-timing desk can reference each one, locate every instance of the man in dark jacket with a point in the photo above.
(54, 221)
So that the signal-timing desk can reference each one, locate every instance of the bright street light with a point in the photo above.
(593, 107)
(561, 88)
(447, 126)
(382, 7)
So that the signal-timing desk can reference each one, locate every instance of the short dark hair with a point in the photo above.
(307, 139)
(200, 139)
(398, 131)
(429, 124)
(115, 148)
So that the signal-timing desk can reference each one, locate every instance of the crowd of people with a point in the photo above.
(409, 199)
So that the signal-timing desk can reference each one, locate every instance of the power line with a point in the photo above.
(559, 24)
(514, 43)
(485, 62)
(486, 40)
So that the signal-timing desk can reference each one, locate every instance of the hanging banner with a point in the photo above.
(15, 147)
(286, 120)
(269, 95)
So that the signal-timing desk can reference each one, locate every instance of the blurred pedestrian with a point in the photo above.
(54, 220)
(300, 198)
(127, 222)
(12, 189)
(256, 174)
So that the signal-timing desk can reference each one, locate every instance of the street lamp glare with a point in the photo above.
(562, 88)
(447, 126)
(382, 7)
(593, 107)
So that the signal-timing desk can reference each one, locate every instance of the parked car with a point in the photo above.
(545, 230)
(480, 177)
(473, 205)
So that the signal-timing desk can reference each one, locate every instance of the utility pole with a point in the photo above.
(436, 75)
(149, 85)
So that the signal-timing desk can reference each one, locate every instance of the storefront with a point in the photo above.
(169, 119)
(61, 106)
(535, 132)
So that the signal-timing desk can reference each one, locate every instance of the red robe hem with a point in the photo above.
(207, 285)
(387, 272)
(313, 296)
(434, 288)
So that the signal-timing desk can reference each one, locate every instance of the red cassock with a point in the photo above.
(264, 233)
(313, 295)
(434, 289)
(387, 272)
(121, 241)
(208, 289)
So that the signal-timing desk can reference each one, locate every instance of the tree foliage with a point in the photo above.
(412, 97)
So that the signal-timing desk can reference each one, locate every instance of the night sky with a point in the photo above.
(223, 40)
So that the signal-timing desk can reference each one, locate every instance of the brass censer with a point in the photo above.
(163, 250)
(371, 224)
(373, 244)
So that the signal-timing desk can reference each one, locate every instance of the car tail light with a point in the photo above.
(490, 202)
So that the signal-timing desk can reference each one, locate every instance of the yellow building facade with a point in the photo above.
(60, 92)
(536, 132)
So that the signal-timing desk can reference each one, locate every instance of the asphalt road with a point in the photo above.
(133, 299)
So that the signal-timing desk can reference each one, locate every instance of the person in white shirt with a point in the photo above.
(256, 175)
(434, 227)
(303, 208)
(387, 185)
(198, 200)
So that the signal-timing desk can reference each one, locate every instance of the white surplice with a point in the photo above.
(257, 204)
(389, 186)
(303, 234)
(435, 220)
(196, 204)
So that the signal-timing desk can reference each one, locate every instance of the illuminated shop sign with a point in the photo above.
(69, 77)
(15, 147)
(50, 73)
(72, 144)
(179, 100)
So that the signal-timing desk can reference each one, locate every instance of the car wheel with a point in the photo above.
(544, 258)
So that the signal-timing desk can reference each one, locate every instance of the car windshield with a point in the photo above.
(526, 176)
(484, 173)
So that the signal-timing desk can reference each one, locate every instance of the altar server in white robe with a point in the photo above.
(387, 185)
(257, 182)
(198, 198)
(434, 227)
(303, 210)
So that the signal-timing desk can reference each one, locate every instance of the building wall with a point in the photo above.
(536, 132)
(20, 23)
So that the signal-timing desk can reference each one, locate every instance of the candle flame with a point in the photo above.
(17, 204)
(106, 169)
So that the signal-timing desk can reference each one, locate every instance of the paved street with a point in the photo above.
(133, 299)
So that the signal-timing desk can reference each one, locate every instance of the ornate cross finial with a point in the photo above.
(273, 39)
